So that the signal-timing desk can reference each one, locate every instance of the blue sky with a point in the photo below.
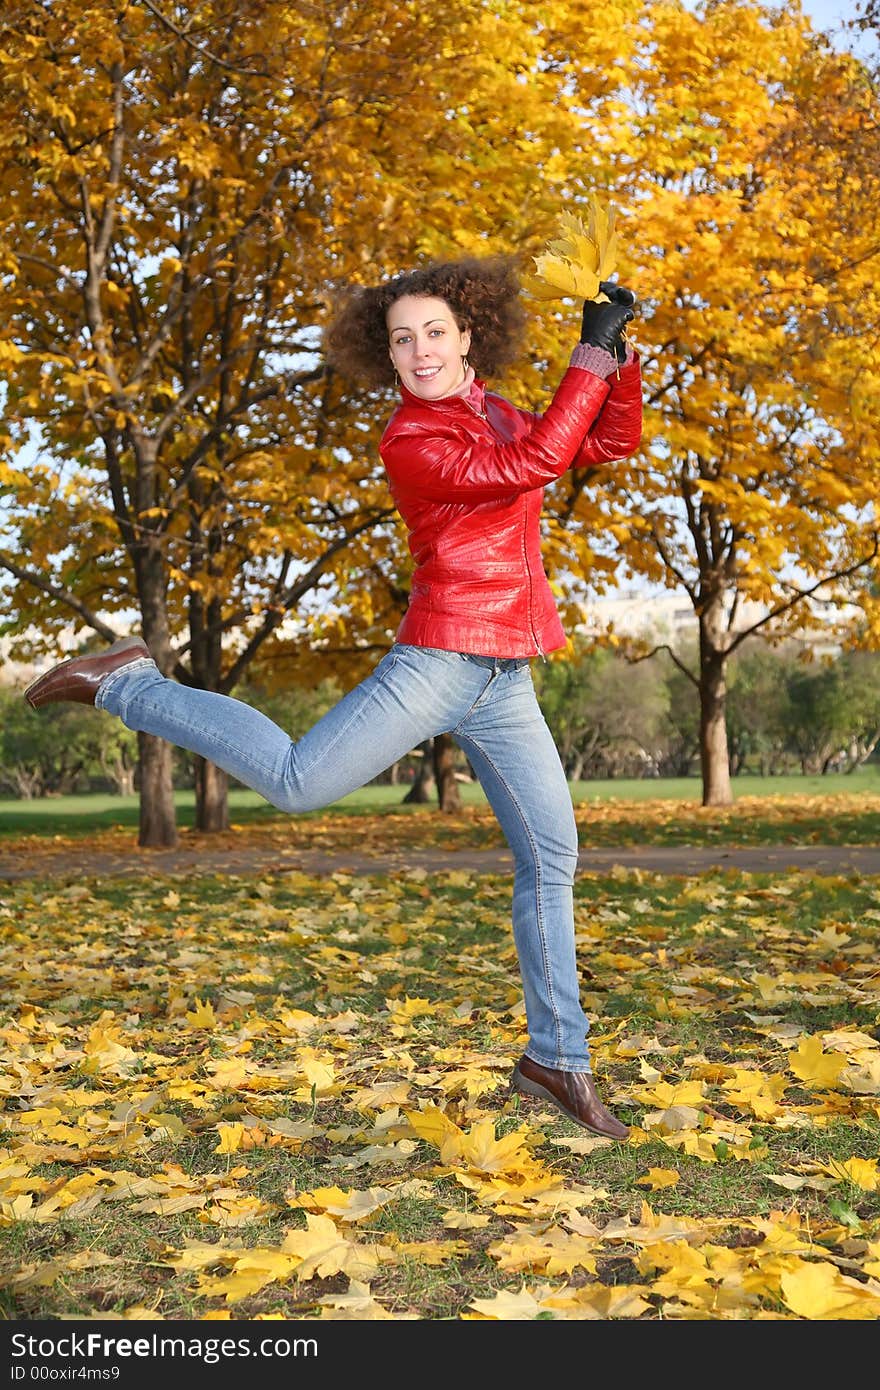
(830, 15)
(825, 14)
(829, 11)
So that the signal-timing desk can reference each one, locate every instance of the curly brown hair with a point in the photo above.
(482, 292)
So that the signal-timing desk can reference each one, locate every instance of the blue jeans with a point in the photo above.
(489, 706)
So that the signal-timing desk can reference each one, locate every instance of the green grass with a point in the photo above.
(77, 815)
(864, 781)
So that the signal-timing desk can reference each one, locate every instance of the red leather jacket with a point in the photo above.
(469, 485)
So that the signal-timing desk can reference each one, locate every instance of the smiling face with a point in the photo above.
(427, 345)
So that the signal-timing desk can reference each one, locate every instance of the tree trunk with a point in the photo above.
(28, 784)
(124, 780)
(212, 801)
(120, 774)
(158, 816)
(206, 662)
(714, 760)
(423, 787)
(158, 826)
(861, 752)
(448, 794)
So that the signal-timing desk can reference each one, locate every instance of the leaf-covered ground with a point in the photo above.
(237, 1098)
(759, 820)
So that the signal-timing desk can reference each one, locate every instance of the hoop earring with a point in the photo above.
(465, 363)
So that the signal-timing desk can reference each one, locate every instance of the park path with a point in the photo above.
(686, 860)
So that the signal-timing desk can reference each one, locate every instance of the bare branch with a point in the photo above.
(284, 603)
(59, 592)
(673, 656)
(202, 50)
(801, 594)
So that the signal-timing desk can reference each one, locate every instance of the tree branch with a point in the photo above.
(676, 660)
(203, 51)
(801, 594)
(59, 592)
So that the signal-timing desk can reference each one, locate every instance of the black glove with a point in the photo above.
(602, 324)
(616, 293)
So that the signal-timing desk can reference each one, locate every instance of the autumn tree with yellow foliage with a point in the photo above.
(185, 186)
(182, 188)
(754, 242)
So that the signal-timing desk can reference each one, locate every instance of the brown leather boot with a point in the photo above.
(572, 1092)
(78, 678)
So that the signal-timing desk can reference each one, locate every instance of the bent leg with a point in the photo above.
(407, 699)
(515, 758)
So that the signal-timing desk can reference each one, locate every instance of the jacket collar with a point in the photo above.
(474, 400)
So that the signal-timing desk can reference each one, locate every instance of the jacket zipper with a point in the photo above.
(538, 648)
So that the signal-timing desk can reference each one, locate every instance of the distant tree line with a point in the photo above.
(786, 713)
(611, 718)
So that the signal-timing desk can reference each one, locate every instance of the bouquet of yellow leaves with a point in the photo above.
(574, 264)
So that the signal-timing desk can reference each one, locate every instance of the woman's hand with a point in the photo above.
(617, 293)
(602, 325)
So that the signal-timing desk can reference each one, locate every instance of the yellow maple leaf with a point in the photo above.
(198, 1255)
(104, 1052)
(380, 1094)
(673, 1120)
(653, 1227)
(595, 1302)
(172, 1206)
(202, 1016)
(862, 1172)
(252, 1272)
(238, 1211)
(323, 1249)
(351, 1206)
(552, 1251)
(465, 1220)
(231, 1136)
(167, 1128)
(227, 1073)
(753, 1091)
(433, 1252)
(431, 1124)
(409, 1008)
(508, 1306)
(358, 1304)
(573, 264)
(655, 1178)
(19, 1209)
(820, 1291)
(480, 1149)
(319, 1072)
(666, 1095)
(782, 1232)
(814, 1066)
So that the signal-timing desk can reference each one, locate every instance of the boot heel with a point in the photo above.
(530, 1088)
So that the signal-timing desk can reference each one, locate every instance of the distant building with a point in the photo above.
(669, 617)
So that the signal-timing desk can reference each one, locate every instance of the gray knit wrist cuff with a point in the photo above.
(593, 359)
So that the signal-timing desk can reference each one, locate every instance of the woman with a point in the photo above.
(467, 471)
